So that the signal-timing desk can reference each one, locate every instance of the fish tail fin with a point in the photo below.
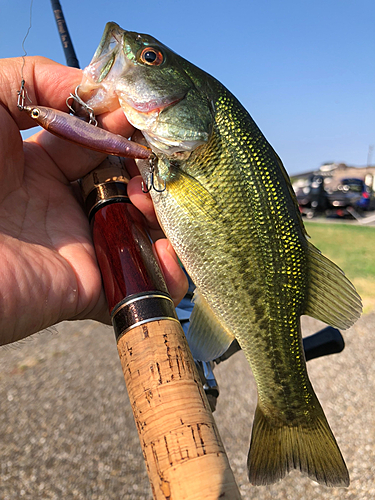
(277, 448)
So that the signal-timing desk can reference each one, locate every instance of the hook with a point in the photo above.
(146, 188)
(82, 103)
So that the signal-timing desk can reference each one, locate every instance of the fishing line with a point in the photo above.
(22, 93)
(27, 34)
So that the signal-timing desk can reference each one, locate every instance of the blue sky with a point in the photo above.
(303, 69)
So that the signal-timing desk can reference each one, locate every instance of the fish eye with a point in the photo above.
(151, 56)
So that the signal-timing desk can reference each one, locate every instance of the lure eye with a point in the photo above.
(151, 56)
(35, 113)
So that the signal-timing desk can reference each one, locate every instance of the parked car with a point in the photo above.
(350, 193)
(312, 197)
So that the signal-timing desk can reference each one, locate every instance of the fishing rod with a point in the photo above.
(66, 41)
(184, 454)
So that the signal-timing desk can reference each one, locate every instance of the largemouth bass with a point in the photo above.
(225, 202)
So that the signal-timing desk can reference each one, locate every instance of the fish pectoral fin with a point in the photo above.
(206, 336)
(193, 197)
(276, 448)
(331, 296)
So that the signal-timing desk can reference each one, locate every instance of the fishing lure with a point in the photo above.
(84, 134)
(73, 129)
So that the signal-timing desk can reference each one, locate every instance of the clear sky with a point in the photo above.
(305, 70)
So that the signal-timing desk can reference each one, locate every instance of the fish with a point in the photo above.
(225, 202)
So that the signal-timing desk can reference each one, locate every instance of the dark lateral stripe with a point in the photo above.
(140, 309)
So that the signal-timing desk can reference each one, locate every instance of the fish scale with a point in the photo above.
(229, 210)
(228, 122)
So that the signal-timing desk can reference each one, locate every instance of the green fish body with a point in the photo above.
(225, 202)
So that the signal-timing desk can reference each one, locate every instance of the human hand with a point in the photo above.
(48, 269)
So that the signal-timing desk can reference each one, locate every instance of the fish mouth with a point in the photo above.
(97, 87)
(100, 87)
(105, 55)
(153, 105)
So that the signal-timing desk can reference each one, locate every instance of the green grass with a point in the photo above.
(352, 248)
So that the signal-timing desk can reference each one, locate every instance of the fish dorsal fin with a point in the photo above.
(206, 336)
(291, 191)
(331, 296)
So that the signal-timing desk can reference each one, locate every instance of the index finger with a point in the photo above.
(49, 84)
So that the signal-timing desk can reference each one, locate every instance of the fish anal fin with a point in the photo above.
(331, 296)
(207, 337)
(276, 449)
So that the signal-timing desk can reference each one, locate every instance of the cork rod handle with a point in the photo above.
(184, 455)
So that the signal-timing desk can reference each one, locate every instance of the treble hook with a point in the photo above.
(89, 111)
(146, 188)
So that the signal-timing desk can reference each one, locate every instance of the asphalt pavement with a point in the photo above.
(67, 430)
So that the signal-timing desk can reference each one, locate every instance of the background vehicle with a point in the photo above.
(312, 197)
(348, 195)
(351, 193)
